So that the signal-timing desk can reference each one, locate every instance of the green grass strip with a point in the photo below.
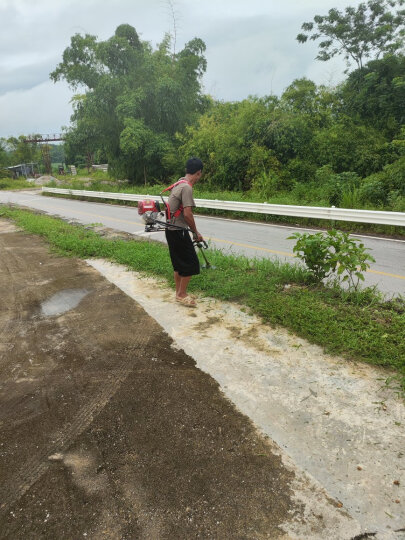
(14, 184)
(358, 325)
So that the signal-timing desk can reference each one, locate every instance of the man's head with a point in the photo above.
(194, 167)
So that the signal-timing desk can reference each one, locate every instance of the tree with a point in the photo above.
(136, 99)
(4, 156)
(368, 31)
(23, 152)
(349, 147)
(57, 153)
(375, 94)
(229, 140)
(318, 103)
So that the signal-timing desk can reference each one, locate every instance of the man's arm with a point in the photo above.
(189, 219)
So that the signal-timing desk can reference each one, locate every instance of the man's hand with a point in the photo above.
(197, 236)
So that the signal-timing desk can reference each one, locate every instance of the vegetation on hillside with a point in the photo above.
(143, 110)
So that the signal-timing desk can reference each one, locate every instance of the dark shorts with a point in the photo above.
(182, 253)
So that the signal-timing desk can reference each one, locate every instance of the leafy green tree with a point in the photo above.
(229, 140)
(136, 99)
(350, 147)
(289, 135)
(4, 156)
(23, 152)
(57, 153)
(375, 94)
(83, 138)
(368, 31)
(318, 104)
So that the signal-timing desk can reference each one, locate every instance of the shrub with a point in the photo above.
(267, 184)
(351, 198)
(373, 190)
(396, 201)
(339, 189)
(333, 252)
(301, 171)
(385, 186)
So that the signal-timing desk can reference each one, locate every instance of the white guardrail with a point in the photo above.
(332, 214)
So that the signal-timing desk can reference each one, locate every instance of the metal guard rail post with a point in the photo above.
(339, 214)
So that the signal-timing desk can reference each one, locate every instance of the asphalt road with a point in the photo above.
(238, 237)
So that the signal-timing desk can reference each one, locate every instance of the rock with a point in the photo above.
(56, 457)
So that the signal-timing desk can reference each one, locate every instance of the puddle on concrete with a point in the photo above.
(333, 418)
(62, 301)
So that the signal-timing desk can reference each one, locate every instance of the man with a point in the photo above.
(182, 253)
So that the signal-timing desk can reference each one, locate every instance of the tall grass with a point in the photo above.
(11, 183)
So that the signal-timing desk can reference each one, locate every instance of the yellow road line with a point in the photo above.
(387, 274)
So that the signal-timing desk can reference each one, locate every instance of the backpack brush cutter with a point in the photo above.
(158, 220)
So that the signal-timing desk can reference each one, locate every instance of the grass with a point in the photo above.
(11, 183)
(358, 325)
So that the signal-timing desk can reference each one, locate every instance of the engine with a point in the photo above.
(150, 211)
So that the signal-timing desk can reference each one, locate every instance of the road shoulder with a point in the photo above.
(107, 430)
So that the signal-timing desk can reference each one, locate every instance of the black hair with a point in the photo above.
(194, 165)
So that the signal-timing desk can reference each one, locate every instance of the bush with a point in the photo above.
(267, 184)
(393, 176)
(386, 186)
(301, 171)
(333, 252)
(373, 190)
(347, 146)
(396, 201)
(314, 250)
(4, 173)
(351, 198)
(339, 189)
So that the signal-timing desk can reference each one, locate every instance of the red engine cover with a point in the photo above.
(147, 206)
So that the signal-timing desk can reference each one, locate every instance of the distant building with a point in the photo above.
(24, 169)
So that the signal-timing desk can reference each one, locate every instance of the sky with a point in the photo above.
(251, 48)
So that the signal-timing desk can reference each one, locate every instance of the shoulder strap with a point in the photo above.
(169, 215)
(181, 181)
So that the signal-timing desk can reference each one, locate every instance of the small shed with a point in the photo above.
(23, 169)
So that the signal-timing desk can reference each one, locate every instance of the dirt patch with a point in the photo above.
(333, 418)
(108, 431)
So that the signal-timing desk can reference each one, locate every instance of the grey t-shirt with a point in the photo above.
(180, 195)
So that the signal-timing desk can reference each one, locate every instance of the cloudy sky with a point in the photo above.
(251, 48)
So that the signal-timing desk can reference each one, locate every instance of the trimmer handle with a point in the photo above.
(202, 244)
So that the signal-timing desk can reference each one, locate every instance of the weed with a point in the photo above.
(11, 183)
(333, 252)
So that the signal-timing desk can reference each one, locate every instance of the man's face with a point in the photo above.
(198, 175)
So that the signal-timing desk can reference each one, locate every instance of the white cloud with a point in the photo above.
(251, 47)
(42, 109)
